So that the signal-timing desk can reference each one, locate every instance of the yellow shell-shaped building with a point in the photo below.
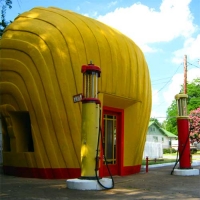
(41, 54)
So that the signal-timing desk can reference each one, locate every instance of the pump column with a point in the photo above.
(183, 132)
(90, 121)
(89, 179)
(183, 138)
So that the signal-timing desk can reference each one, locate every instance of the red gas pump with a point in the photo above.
(183, 132)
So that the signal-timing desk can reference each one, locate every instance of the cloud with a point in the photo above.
(191, 48)
(155, 99)
(175, 86)
(173, 89)
(158, 109)
(161, 101)
(113, 3)
(158, 115)
(145, 25)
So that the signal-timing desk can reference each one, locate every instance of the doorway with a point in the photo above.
(112, 141)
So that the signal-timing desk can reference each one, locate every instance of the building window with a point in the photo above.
(162, 139)
(155, 138)
(152, 129)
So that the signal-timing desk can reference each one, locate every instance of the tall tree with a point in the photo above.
(155, 120)
(170, 122)
(193, 94)
(193, 103)
(4, 4)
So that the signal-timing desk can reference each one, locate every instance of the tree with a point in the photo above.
(194, 117)
(156, 121)
(170, 122)
(4, 4)
(193, 103)
(193, 94)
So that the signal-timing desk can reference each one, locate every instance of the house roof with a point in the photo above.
(165, 132)
(168, 134)
(151, 122)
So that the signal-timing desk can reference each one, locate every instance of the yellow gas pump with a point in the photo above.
(90, 120)
(89, 179)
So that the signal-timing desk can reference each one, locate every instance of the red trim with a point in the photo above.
(120, 114)
(114, 110)
(44, 173)
(122, 144)
(91, 68)
(124, 170)
(58, 173)
(88, 100)
(128, 170)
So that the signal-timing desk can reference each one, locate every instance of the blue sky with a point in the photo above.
(165, 30)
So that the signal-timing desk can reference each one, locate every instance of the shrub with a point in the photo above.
(169, 150)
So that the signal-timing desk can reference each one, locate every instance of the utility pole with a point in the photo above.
(185, 74)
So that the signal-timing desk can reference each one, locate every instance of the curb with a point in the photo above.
(194, 163)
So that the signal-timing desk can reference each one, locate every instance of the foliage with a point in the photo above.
(193, 90)
(169, 150)
(193, 94)
(195, 125)
(171, 123)
(4, 4)
(159, 161)
(155, 120)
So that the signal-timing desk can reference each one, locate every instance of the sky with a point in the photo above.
(165, 30)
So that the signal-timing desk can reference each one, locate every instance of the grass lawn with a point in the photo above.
(159, 161)
(170, 157)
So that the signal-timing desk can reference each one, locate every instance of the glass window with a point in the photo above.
(155, 138)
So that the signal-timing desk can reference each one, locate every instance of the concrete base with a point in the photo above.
(80, 184)
(186, 172)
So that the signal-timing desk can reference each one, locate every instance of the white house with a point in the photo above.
(157, 139)
(157, 134)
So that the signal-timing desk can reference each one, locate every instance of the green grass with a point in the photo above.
(169, 157)
(159, 161)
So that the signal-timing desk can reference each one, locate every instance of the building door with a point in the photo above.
(111, 137)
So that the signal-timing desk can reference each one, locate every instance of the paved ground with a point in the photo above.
(158, 183)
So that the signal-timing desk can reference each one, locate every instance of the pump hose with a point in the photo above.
(177, 160)
(97, 151)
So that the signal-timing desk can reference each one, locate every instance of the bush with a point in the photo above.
(169, 150)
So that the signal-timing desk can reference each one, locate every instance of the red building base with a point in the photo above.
(43, 173)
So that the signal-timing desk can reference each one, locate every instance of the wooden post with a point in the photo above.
(147, 164)
(185, 74)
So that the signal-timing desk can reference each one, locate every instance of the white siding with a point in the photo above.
(155, 135)
(153, 150)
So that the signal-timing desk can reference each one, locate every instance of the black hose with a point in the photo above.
(177, 160)
(97, 158)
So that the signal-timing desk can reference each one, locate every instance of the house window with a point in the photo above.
(163, 139)
(155, 138)
(152, 129)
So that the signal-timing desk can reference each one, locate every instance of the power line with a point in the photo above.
(160, 79)
(159, 83)
(165, 117)
(193, 65)
(168, 81)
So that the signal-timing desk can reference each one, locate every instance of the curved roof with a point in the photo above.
(68, 40)
(42, 52)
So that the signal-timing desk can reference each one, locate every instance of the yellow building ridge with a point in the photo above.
(42, 52)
